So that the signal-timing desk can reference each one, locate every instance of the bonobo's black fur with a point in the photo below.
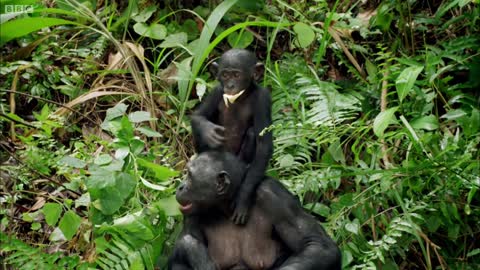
(235, 127)
(278, 235)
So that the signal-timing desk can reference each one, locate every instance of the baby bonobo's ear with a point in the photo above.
(214, 69)
(222, 182)
(258, 72)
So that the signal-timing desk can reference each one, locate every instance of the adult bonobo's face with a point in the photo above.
(205, 184)
(236, 70)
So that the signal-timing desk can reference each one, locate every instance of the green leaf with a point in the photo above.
(23, 26)
(140, 116)
(122, 152)
(116, 111)
(383, 120)
(57, 235)
(103, 159)
(429, 122)
(473, 252)
(352, 227)
(406, 80)
(35, 226)
(162, 173)
(133, 224)
(110, 194)
(126, 131)
(145, 14)
(240, 40)
(154, 31)
(151, 185)
(305, 34)
(72, 162)
(52, 212)
(168, 205)
(175, 40)
(319, 209)
(148, 132)
(69, 224)
(454, 114)
(286, 161)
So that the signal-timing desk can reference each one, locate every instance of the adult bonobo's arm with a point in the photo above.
(190, 251)
(263, 153)
(312, 248)
(206, 134)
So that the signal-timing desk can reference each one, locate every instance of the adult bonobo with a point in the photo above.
(232, 117)
(278, 235)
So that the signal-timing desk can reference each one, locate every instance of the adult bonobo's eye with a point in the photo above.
(236, 74)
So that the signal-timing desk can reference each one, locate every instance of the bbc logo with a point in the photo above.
(18, 8)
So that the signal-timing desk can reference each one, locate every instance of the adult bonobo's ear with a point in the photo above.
(214, 69)
(223, 182)
(258, 72)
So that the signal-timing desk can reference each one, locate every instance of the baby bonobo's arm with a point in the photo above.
(206, 134)
(264, 147)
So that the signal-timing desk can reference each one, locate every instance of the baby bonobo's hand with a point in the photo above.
(213, 134)
(240, 207)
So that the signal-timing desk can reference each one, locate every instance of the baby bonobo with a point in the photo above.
(232, 117)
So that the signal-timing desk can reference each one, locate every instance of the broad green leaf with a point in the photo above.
(145, 14)
(99, 179)
(23, 26)
(286, 161)
(473, 252)
(154, 31)
(133, 224)
(136, 146)
(109, 198)
(169, 205)
(126, 131)
(122, 152)
(454, 114)
(429, 122)
(148, 132)
(83, 200)
(305, 34)
(116, 111)
(352, 227)
(335, 149)
(52, 212)
(35, 226)
(57, 236)
(140, 116)
(103, 159)
(383, 120)
(237, 40)
(319, 209)
(162, 173)
(175, 40)
(406, 80)
(69, 224)
(72, 162)
(200, 88)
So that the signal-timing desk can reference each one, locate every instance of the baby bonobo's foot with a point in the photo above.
(240, 212)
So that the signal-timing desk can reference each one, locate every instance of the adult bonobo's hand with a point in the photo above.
(213, 134)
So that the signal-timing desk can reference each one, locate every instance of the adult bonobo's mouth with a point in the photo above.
(185, 208)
